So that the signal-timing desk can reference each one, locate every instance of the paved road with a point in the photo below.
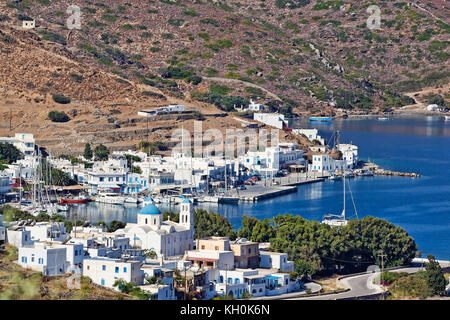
(362, 285)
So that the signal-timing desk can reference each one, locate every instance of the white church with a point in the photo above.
(166, 238)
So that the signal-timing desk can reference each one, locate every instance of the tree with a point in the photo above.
(212, 224)
(9, 153)
(101, 152)
(132, 289)
(115, 225)
(434, 276)
(57, 116)
(87, 151)
(61, 178)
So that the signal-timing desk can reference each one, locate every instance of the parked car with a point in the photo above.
(242, 188)
(249, 182)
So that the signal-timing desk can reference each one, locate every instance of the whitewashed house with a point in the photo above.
(49, 259)
(349, 154)
(106, 271)
(2, 231)
(311, 134)
(24, 142)
(48, 231)
(18, 237)
(275, 260)
(28, 24)
(271, 119)
(108, 175)
(5, 185)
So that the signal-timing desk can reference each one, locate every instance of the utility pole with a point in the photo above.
(10, 120)
(382, 256)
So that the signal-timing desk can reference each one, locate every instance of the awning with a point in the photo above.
(202, 259)
(109, 186)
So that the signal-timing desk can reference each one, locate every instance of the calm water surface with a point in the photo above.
(412, 144)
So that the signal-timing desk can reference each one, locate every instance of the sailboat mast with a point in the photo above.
(343, 211)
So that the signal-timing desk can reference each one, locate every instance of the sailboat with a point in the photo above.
(336, 220)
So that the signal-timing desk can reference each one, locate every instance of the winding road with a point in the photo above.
(362, 285)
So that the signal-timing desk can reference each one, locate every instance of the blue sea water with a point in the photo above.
(419, 205)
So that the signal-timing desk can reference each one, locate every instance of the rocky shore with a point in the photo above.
(377, 170)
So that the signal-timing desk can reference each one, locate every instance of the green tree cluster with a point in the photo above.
(212, 224)
(9, 153)
(318, 248)
(101, 152)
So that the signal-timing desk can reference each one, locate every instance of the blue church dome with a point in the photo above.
(150, 209)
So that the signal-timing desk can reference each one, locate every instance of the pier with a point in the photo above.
(377, 170)
(273, 187)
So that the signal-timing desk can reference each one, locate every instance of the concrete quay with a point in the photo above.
(273, 187)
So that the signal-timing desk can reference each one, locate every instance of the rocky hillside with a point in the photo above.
(298, 56)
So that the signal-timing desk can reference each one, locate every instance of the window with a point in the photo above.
(117, 270)
(103, 267)
(124, 269)
(216, 248)
(102, 282)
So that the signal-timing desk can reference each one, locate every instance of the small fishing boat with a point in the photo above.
(447, 118)
(110, 197)
(323, 119)
(383, 119)
(78, 199)
(62, 207)
(334, 177)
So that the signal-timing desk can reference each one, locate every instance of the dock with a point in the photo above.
(275, 187)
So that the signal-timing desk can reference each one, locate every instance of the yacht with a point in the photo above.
(335, 220)
(110, 197)
(130, 199)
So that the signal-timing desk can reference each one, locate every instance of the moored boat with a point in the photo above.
(78, 199)
(320, 118)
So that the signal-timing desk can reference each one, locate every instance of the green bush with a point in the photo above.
(58, 98)
(58, 116)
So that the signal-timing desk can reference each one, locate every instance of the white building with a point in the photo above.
(2, 230)
(272, 159)
(161, 110)
(49, 259)
(275, 260)
(106, 271)
(349, 153)
(166, 238)
(432, 107)
(47, 231)
(323, 163)
(24, 142)
(5, 186)
(28, 24)
(271, 119)
(18, 237)
(108, 175)
(311, 134)
(211, 259)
